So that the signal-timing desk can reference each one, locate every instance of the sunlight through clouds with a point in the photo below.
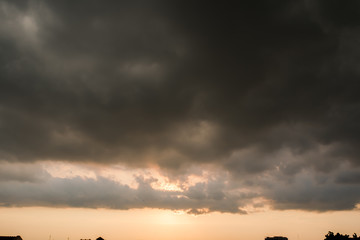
(180, 110)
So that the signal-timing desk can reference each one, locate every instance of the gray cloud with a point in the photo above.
(105, 193)
(313, 193)
(306, 190)
(348, 177)
(182, 83)
(22, 173)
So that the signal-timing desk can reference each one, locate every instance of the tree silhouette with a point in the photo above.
(100, 238)
(338, 236)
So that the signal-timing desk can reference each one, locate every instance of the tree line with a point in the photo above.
(338, 236)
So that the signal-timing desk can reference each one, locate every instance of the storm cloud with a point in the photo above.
(254, 89)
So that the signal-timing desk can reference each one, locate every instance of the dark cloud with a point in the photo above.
(181, 83)
(348, 177)
(313, 193)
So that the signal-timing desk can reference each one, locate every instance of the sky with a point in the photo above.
(179, 119)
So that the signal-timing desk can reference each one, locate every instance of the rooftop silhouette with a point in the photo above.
(10, 238)
(276, 238)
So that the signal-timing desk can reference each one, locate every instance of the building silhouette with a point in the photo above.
(276, 238)
(10, 238)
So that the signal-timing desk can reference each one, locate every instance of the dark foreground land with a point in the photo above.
(329, 236)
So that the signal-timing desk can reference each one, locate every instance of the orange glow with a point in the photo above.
(151, 224)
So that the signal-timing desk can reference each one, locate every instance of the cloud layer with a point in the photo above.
(258, 89)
